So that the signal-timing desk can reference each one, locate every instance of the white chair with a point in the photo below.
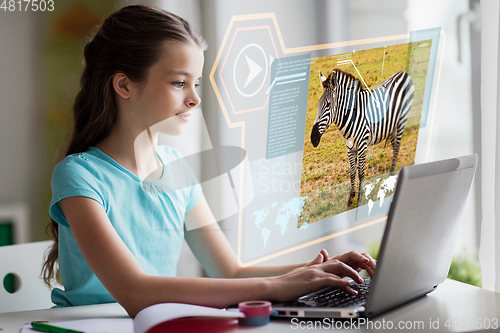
(25, 262)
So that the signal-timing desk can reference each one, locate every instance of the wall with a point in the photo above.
(21, 111)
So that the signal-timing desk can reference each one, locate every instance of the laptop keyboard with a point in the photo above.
(333, 297)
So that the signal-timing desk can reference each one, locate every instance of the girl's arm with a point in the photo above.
(213, 251)
(123, 277)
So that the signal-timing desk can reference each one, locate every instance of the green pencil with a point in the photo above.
(44, 327)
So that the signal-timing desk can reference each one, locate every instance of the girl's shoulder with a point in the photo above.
(80, 161)
(86, 166)
(78, 174)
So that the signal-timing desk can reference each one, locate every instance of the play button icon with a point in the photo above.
(254, 70)
(250, 70)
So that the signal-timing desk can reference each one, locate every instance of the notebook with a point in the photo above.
(417, 246)
(157, 318)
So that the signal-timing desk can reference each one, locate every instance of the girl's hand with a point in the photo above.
(313, 276)
(358, 261)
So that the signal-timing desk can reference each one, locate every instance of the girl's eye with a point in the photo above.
(178, 84)
(197, 84)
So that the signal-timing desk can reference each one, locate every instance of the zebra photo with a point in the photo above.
(365, 117)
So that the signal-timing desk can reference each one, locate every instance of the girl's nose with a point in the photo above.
(193, 100)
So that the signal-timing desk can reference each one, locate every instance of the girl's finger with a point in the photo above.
(358, 257)
(318, 260)
(371, 262)
(332, 280)
(337, 282)
(353, 257)
(340, 268)
(349, 290)
(325, 255)
(368, 269)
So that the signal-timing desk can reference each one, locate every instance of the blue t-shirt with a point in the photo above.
(148, 216)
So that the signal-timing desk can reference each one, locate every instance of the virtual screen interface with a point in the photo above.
(308, 119)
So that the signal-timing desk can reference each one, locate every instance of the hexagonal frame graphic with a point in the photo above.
(228, 95)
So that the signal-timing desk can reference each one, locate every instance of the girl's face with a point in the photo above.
(169, 93)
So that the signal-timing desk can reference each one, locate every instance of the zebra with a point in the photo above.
(364, 117)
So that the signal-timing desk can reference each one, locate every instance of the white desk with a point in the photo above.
(461, 305)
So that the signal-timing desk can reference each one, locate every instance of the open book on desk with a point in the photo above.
(154, 319)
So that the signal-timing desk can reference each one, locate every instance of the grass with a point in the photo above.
(465, 269)
(325, 175)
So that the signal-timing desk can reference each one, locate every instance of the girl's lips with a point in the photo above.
(184, 116)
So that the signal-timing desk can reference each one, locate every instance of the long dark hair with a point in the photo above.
(129, 41)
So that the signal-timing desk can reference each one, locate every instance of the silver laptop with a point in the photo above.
(417, 246)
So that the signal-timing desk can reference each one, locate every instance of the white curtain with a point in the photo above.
(489, 254)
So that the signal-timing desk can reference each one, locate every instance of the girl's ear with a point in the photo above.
(121, 84)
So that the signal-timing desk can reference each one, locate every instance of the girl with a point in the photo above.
(113, 242)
